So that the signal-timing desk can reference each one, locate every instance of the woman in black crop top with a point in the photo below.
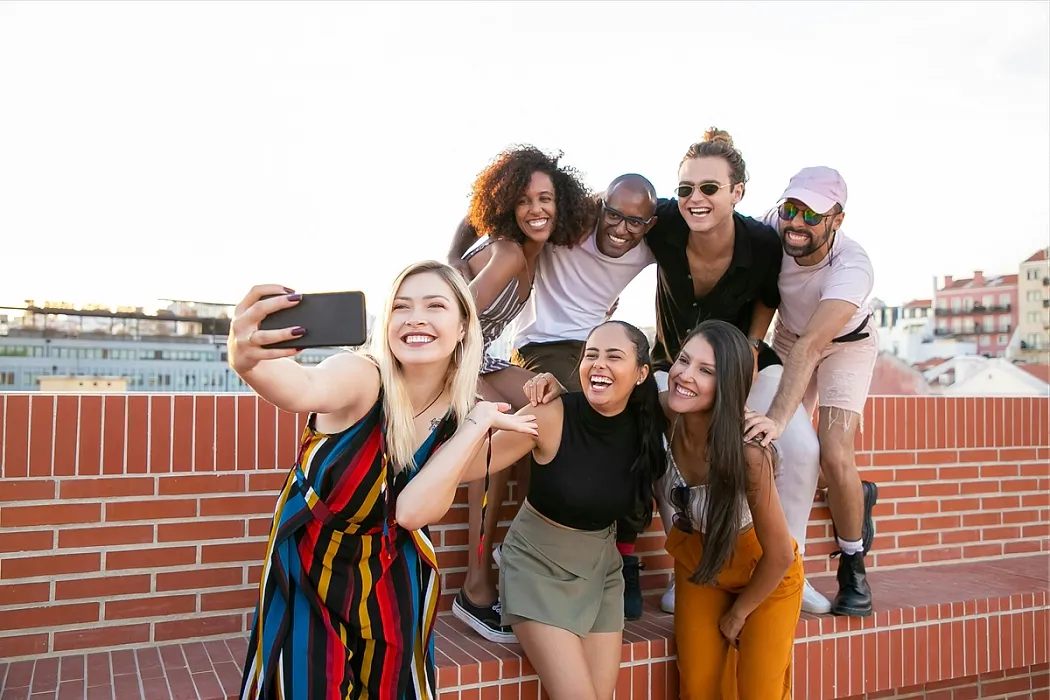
(595, 459)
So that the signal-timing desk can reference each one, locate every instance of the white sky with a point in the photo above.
(191, 149)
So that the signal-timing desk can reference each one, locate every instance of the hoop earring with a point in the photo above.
(457, 356)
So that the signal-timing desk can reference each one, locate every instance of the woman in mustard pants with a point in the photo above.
(738, 575)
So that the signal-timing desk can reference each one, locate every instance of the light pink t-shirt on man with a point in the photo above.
(845, 274)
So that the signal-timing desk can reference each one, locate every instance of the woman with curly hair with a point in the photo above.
(524, 200)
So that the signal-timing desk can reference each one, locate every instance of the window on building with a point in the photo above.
(1032, 317)
(985, 340)
(956, 304)
(957, 325)
(1032, 340)
(942, 304)
(987, 300)
(1004, 300)
(1033, 273)
(1004, 323)
(1003, 339)
(968, 304)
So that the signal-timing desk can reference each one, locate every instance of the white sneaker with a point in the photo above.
(667, 601)
(497, 552)
(813, 602)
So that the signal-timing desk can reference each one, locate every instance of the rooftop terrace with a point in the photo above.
(132, 529)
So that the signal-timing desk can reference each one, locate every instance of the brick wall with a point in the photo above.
(134, 519)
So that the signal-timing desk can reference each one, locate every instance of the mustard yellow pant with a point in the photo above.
(708, 668)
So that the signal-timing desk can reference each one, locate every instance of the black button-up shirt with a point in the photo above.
(752, 276)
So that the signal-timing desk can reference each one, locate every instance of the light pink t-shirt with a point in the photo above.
(845, 274)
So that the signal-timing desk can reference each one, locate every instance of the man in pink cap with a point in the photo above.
(827, 341)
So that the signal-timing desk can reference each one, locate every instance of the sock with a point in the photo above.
(625, 548)
(848, 547)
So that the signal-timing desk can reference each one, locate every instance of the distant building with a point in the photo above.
(1031, 341)
(908, 333)
(83, 385)
(984, 376)
(978, 309)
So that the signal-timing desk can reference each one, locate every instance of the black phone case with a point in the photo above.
(333, 319)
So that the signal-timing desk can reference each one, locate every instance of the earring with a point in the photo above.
(458, 355)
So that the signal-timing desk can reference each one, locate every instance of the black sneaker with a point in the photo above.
(854, 596)
(485, 620)
(632, 587)
(867, 530)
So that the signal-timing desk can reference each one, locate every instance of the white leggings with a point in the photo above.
(799, 457)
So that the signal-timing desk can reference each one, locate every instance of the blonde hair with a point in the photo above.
(461, 381)
(717, 143)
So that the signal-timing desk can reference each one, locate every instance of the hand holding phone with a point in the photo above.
(273, 322)
(334, 319)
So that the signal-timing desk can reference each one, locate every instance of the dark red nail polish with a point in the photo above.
(295, 297)
(289, 290)
(298, 330)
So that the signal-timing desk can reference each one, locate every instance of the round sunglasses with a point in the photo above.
(685, 189)
(789, 210)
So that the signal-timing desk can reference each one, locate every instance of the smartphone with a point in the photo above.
(332, 319)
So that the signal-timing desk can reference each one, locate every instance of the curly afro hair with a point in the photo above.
(499, 186)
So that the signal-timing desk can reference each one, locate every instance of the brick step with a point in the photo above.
(971, 623)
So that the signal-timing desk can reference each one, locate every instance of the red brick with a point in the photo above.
(1038, 530)
(936, 489)
(50, 514)
(985, 455)
(237, 505)
(991, 549)
(151, 558)
(200, 484)
(199, 578)
(222, 625)
(102, 587)
(181, 428)
(150, 510)
(229, 600)
(89, 435)
(225, 432)
(999, 471)
(960, 536)
(24, 593)
(114, 416)
(238, 551)
(41, 428)
(1016, 485)
(981, 519)
(1040, 469)
(23, 645)
(137, 438)
(260, 527)
(152, 606)
(200, 530)
(160, 427)
(896, 558)
(998, 503)
(903, 508)
(66, 428)
(1035, 500)
(105, 536)
(266, 439)
(941, 554)
(15, 437)
(958, 473)
(911, 474)
(102, 637)
(938, 457)
(919, 539)
(267, 481)
(952, 505)
(49, 616)
(50, 565)
(23, 541)
(107, 487)
(204, 433)
(12, 490)
(246, 434)
(937, 522)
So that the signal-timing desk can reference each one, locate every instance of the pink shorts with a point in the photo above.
(843, 374)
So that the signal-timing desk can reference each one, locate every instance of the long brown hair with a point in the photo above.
(727, 476)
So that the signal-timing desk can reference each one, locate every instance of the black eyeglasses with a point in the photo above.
(789, 210)
(685, 189)
(634, 224)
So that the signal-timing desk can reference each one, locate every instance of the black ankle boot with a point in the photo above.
(867, 529)
(632, 587)
(854, 596)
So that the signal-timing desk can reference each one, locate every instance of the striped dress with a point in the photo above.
(503, 309)
(347, 599)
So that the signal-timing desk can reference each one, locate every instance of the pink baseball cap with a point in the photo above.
(819, 187)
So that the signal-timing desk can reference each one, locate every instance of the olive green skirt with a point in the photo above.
(565, 578)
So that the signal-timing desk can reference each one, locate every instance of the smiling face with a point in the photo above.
(609, 369)
(425, 321)
(702, 212)
(535, 210)
(619, 230)
(691, 382)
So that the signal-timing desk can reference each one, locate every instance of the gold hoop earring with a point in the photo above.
(457, 357)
